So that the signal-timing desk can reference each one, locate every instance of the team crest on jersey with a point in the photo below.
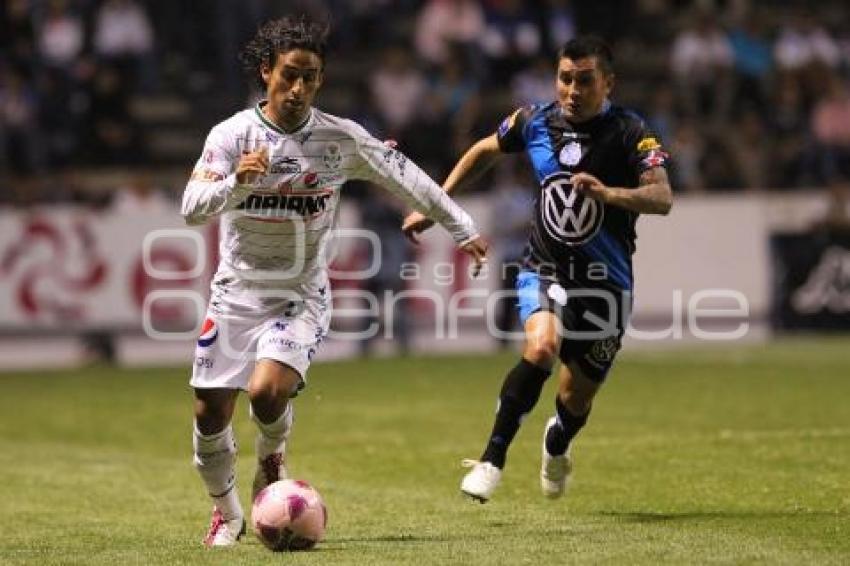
(570, 154)
(332, 157)
(209, 333)
(567, 216)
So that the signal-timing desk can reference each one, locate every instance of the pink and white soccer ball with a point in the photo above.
(289, 515)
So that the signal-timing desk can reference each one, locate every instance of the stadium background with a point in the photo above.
(104, 106)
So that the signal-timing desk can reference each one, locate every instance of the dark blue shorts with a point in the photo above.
(593, 319)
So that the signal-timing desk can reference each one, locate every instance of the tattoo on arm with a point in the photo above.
(654, 176)
(654, 195)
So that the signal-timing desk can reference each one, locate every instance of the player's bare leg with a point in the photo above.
(271, 386)
(215, 460)
(572, 404)
(520, 392)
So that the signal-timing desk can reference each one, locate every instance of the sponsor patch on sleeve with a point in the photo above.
(508, 123)
(655, 158)
(504, 127)
(206, 176)
(648, 144)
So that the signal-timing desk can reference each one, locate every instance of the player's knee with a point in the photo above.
(211, 424)
(211, 418)
(263, 392)
(272, 383)
(541, 352)
(268, 399)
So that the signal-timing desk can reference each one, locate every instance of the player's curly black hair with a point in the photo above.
(280, 36)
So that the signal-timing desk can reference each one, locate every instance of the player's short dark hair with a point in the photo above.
(280, 36)
(589, 46)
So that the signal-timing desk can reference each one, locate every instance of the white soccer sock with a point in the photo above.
(271, 438)
(215, 460)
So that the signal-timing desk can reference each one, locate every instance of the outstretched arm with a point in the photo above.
(476, 161)
(653, 195)
(392, 170)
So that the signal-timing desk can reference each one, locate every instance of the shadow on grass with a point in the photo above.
(491, 531)
(658, 517)
(404, 537)
(349, 544)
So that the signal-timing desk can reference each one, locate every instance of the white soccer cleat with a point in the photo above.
(481, 481)
(269, 470)
(555, 470)
(224, 532)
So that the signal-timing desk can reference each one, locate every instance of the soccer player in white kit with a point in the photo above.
(272, 175)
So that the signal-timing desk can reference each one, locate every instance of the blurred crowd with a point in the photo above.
(746, 94)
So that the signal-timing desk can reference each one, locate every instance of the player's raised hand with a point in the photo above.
(477, 249)
(252, 165)
(414, 224)
(589, 186)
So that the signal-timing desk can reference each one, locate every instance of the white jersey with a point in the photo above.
(274, 234)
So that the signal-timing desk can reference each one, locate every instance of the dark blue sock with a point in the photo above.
(520, 392)
(560, 435)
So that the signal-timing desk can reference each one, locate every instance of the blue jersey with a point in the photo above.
(580, 240)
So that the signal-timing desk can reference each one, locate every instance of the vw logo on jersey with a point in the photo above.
(567, 216)
(209, 332)
(570, 154)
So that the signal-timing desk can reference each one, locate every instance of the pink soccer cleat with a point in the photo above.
(224, 532)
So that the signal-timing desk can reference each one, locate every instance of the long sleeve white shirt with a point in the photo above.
(274, 233)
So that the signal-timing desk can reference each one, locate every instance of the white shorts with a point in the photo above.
(229, 345)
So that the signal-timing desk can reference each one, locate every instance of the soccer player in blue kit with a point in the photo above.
(598, 167)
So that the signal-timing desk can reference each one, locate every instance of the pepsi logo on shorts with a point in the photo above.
(209, 333)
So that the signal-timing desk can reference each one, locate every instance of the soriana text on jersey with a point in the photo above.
(305, 204)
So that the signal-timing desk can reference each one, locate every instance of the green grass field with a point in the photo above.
(705, 456)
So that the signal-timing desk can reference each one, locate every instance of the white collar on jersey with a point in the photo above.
(258, 110)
